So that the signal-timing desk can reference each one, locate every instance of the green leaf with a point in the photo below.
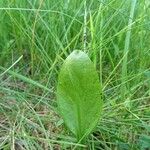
(79, 94)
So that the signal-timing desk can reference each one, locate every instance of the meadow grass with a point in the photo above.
(35, 38)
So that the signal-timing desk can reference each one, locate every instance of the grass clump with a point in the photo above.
(36, 37)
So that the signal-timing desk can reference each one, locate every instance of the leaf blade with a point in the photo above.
(79, 94)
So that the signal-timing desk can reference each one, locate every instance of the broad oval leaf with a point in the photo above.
(79, 94)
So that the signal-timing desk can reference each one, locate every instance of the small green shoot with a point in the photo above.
(79, 94)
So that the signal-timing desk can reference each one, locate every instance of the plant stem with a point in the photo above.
(124, 75)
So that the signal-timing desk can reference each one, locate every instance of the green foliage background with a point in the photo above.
(42, 33)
